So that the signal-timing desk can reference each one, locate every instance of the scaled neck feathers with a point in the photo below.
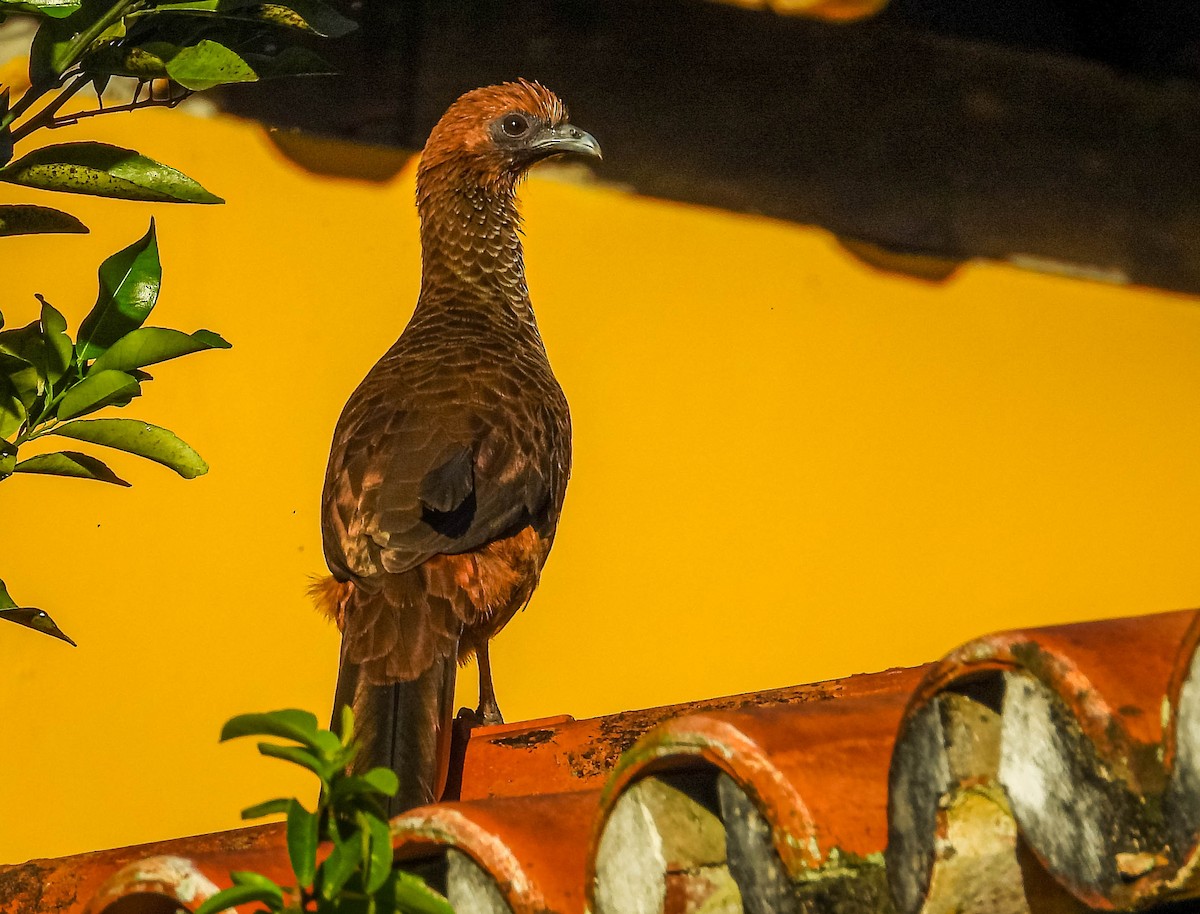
(470, 236)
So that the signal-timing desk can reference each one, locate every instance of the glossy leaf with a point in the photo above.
(242, 894)
(57, 9)
(269, 808)
(96, 391)
(307, 15)
(8, 452)
(205, 6)
(411, 895)
(208, 64)
(302, 842)
(244, 877)
(383, 780)
(37, 619)
(54, 46)
(6, 602)
(291, 61)
(129, 284)
(27, 219)
(290, 723)
(140, 62)
(21, 375)
(12, 416)
(101, 170)
(69, 463)
(6, 140)
(150, 345)
(296, 756)
(380, 865)
(59, 348)
(141, 438)
(340, 865)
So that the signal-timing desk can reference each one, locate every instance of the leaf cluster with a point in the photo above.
(50, 382)
(183, 47)
(356, 876)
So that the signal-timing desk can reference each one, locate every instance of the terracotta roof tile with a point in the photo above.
(1042, 769)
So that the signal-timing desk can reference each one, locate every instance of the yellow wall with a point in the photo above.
(788, 467)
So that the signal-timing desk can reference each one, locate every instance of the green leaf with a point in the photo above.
(381, 859)
(56, 44)
(101, 170)
(6, 140)
(57, 9)
(205, 6)
(145, 62)
(69, 463)
(27, 219)
(58, 345)
(245, 877)
(150, 345)
(12, 417)
(292, 61)
(242, 894)
(208, 64)
(6, 602)
(96, 391)
(343, 861)
(307, 15)
(383, 780)
(129, 284)
(302, 842)
(269, 808)
(37, 619)
(141, 438)
(378, 782)
(347, 734)
(290, 723)
(22, 379)
(297, 756)
(410, 894)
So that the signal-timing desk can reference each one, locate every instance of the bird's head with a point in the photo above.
(491, 136)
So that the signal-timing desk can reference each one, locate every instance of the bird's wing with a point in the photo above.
(411, 477)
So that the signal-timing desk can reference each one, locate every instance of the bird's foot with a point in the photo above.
(488, 713)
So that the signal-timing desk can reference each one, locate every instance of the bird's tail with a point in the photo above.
(396, 673)
(404, 726)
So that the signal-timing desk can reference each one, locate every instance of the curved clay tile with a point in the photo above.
(1042, 752)
(523, 855)
(777, 807)
(160, 885)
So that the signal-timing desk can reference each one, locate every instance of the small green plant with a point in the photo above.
(184, 47)
(357, 876)
(49, 383)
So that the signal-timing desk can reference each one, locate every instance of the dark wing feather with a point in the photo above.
(424, 464)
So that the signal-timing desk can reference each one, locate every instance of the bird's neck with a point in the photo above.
(470, 239)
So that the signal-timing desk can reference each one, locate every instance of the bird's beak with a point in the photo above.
(565, 138)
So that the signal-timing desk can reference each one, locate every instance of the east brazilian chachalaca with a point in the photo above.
(450, 460)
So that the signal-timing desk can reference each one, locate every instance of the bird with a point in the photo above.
(449, 462)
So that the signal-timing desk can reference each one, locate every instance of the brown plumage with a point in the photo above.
(449, 463)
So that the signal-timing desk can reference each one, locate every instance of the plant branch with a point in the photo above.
(152, 102)
(28, 97)
(45, 117)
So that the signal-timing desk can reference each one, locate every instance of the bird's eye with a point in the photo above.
(514, 124)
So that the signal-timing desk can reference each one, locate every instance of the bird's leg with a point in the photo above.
(488, 711)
